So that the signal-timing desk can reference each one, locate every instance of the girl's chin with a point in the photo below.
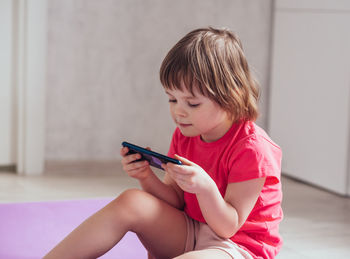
(186, 133)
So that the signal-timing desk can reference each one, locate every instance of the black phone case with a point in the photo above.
(155, 159)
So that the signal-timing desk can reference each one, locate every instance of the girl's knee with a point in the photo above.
(127, 208)
(131, 197)
(138, 209)
(131, 201)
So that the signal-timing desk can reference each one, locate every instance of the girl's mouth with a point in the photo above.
(184, 125)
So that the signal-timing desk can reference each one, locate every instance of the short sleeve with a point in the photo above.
(255, 158)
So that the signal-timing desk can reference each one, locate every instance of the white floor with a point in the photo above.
(316, 223)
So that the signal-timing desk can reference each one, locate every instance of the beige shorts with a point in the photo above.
(200, 237)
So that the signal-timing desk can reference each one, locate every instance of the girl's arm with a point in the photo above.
(227, 215)
(224, 215)
(167, 191)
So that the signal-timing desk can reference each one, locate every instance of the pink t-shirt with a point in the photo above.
(245, 152)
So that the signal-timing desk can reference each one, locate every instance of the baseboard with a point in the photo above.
(103, 167)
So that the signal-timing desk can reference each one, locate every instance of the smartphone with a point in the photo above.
(155, 159)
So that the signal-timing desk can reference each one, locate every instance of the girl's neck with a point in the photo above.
(217, 132)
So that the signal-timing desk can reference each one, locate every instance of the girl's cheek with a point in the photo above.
(172, 114)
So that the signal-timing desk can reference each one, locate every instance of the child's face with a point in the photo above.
(198, 115)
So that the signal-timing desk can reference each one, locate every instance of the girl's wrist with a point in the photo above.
(147, 176)
(209, 189)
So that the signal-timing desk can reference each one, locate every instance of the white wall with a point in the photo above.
(103, 62)
(310, 91)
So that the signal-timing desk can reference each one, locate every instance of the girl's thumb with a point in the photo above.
(184, 160)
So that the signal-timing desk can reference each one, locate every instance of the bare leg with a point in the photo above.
(149, 256)
(161, 228)
(206, 254)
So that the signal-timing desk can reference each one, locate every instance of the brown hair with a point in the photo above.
(213, 61)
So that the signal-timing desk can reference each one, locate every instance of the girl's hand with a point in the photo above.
(189, 176)
(139, 170)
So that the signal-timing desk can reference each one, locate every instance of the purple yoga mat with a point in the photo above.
(30, 230)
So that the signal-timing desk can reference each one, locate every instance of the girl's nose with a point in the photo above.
(179, 111)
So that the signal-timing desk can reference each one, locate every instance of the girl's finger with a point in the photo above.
(130, 158)
(135, 166)
(164, 166)
(178, 176)
(124, 151)
(184, 161)
(135, 171)
(179, 169)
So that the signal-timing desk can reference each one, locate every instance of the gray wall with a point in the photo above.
(103, 62)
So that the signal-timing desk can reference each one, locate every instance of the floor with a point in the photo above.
(316, 223)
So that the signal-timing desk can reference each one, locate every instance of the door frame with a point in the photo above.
(30, 43)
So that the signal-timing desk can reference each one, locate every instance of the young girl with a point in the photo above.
(224, 201)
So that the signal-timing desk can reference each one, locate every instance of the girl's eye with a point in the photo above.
(172, 101)
(193, 105)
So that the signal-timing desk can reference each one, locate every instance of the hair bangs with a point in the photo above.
(179, 71)
(176, 73)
